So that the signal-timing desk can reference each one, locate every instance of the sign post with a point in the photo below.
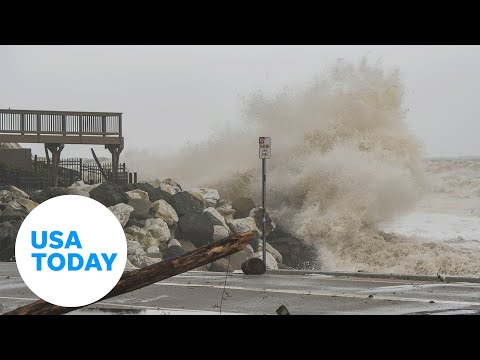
(265, 152)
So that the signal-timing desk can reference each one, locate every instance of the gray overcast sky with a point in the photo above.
(173, 94)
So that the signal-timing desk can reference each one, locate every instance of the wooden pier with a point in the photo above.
(57, 128)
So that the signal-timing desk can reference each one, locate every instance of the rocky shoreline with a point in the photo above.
(161, 221)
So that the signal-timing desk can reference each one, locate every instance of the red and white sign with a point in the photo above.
(265, 147)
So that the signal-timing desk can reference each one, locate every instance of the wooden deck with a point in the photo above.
(60, 127)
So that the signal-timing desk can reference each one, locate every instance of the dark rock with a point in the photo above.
(257, 215)
(295, 252)
(173, 231)
(197, 228)
(8, 235)
(213, 220)
(109, 194)
(282, 310)
(141, 209)
(185, 203)
(159, 194)
(8, 254)
(242, 205)
(256, 240)
(36, 196)
(173, 251)
(10, 214)
(47, 193)
(135, 222)
(254, 266)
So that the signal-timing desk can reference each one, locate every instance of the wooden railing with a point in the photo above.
(65, 123)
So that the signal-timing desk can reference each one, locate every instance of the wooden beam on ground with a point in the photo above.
(140, 278)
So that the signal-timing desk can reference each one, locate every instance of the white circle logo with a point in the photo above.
(71, 251)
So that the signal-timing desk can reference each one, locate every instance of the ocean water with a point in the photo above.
(449, 212)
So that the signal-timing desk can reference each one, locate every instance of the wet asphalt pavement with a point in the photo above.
(201, 293)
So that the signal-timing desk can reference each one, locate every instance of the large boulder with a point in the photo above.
(168, 188)
(36, 196)
(7, 240)
(172, 184)
(154, 252)
(219, 232)
(162, 209)
(197, 228)
(241, 225)
(135, 222)
(225, 209)
(15, 205)
(158, 229)
(217, 215)
(11, 213)
(173, 251)
(78, 188)
(17, 193)
(141, 208)
(8, 235)
(109, 194)
(122, 212)
(143, 236)
(246, 224)
(138, 194)
(155, 183)
(80, 185)
(257, 215)
(243, 206)
(77, 191)
(154, 194)
(137, 256)
(28, 204)
(168, 185)
(93, 186)
(185, 203)
(295, 252)
(210, 196)
(5, 196)
(47, 193)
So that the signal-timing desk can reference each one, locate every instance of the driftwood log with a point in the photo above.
(254, 266)
(136, 279)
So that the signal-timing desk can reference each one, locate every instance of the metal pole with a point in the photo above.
(264, 182)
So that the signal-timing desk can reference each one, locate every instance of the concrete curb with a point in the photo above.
(411, 277)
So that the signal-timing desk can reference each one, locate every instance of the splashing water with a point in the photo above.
(343, 160)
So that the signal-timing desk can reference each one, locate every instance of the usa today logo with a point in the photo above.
(71, 251)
